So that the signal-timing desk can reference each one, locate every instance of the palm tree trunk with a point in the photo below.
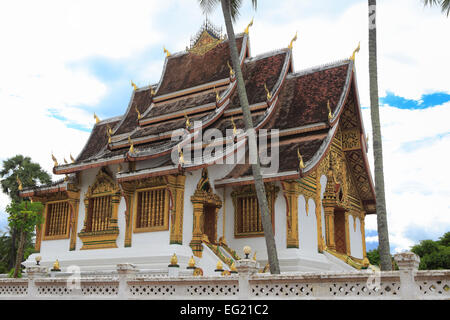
(259, 184)
(19, 253)
(383, 234)
(12, 260)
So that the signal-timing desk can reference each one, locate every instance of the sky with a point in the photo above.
(61, 61)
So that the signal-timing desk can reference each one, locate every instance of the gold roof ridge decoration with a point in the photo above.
(231, 69)
(207, 38)
(138, 113)
(269, 95)
(291, 45)
(301, 165)
(330, 114)
(353, 56)
(131, 145)
(248, 27)
(72, 159)
(20, 187)
(234, 126)
(55, 162)
(166, 52)
(217, 94)
(97, 120)
(188, 122)
(134, 85)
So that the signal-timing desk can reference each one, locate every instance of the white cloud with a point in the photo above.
(416, 149)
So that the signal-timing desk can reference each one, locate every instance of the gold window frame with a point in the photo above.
(165, 226)
(249, 191)
(66, 235)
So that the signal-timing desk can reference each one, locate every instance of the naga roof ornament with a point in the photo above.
(355, 51)
(97, 120)
(301, 165)
(291, 45)
(248, 27)
(166, 52)
(134, 85)
(55, 162)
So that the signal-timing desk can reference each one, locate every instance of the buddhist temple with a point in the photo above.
(149, 184)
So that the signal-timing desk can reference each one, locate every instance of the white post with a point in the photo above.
(32, 273)
(126, 271)
(245, 268)
(408, 263)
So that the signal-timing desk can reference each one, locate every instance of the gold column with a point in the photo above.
(291, 193)
(318, 203)
(74, 201)
(329, 203)
(347, 235)
(176, 185)
(196, 242)
(113, 221)
(128, 195)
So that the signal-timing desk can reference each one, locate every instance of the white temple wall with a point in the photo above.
(356, 248)
(307, 226)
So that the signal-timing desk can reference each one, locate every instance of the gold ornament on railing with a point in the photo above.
(191, 263)
(247, 251)
(248, 27)
(233, 267)
(254, 256)
(301, 165)
(291, 45)
(56, 266)
(355, 51)
(219, 266)
(174, 260)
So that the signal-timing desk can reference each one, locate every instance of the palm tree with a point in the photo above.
(383, 234)
(230, 10)
(444, 4)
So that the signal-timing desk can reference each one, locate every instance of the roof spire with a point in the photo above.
(166, 52)
(248, 27)
(355, 51)
(291, 45)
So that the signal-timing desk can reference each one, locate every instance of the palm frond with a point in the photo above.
(444, 4)
(208, 5)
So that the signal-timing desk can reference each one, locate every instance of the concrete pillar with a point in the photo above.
(33, 273)
(126, 271)
(246, 268)
(408, 263)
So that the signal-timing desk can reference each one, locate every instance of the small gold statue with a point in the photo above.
(56, 266)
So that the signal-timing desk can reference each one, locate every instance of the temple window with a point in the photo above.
(152, 210)
(247, 215)
(57, 220)
(99, 214)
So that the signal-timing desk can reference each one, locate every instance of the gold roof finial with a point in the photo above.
(152, 91)
(108, 133)
(55, 162)
(65, 161)
(188, 122)
(72, 159)
(291, 45)
(300, 158)
(97, 120)
(269, 96)
(166, 52)
(234, 126)
(20, 187)
(134, 85)
(330, 114)
(131, 145)
(119, 168)
(355, 51)
(248, 27)
(231, 69)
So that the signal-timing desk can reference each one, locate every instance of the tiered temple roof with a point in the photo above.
(198, 84)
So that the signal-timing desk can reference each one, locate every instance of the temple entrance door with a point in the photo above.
(339, 231)
(210, 223)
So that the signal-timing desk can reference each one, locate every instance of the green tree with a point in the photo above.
(444, 4)
(230, 9)
(382, 226)
(24, 216)
(434, 254)
(20, 168)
